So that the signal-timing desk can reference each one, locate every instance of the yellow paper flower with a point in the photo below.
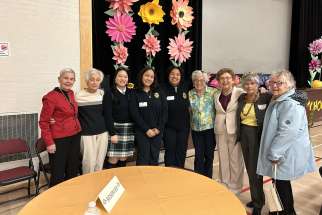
(151, 12)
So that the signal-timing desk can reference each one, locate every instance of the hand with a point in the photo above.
(156, 131)
(51, 149)
(150, 133)
(114, 139)
(52, 121)
(263, 90)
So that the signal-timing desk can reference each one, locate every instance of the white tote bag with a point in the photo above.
(271, 195)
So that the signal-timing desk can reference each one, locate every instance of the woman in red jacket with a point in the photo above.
(60, 129)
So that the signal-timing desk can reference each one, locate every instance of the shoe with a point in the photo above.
(250, 204)
(256, 211)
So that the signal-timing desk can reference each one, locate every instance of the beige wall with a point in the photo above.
(44, 37)
(246, 34)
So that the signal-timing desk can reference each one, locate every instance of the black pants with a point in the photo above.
(64, 163)
(204, 143)
(249, 140)
(175, 143)
(148, 149)
(284, 189)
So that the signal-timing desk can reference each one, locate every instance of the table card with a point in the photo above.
(111, 194)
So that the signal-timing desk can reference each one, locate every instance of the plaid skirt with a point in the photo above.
(125, 145)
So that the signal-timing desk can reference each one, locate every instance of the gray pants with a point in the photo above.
(249, 140)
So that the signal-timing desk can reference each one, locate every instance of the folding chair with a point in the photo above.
(20, 173)
(44, 168)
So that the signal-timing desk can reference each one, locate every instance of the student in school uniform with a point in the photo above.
(178, 125)
(148, 108)
(118, 120)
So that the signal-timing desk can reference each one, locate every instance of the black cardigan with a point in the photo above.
(263, 101)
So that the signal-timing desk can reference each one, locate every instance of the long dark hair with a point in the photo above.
(140, 84)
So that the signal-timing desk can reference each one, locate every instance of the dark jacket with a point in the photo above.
(178, 107)
(260, 108)
(116, 108)
(149, 110)
(64, 110)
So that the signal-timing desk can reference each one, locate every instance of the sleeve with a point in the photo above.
(164, 112)
(46, 113)
(289, 123)
(108, 115)
(135, 114)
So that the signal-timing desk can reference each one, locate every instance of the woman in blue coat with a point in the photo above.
(285, 139)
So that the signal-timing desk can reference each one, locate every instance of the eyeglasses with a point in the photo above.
(277, 83)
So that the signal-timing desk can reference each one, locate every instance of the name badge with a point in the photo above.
(143, 104)
(262, 107)
(170, 98)
(110, 194)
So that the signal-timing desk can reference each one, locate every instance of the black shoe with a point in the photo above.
(256, 211)
(250, 204)
(121, 163)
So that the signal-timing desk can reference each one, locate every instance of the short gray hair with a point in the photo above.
(66, 70)
(250, 76)
(93, 71)
(286, 76)
(197, 73)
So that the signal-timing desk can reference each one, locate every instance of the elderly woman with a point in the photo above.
(118, 120)
(201, 100)
(250, 116)
(60, 128)
(94, 134)
(231, 165)
(178, 126)
(285, 139)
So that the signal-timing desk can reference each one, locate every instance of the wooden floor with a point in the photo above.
(307, 190)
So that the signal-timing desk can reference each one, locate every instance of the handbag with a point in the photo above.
(271, 195)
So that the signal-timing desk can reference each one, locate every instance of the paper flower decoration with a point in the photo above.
(151, 12)
(120, 28)
(181, 14)
(180, 48)
(151, 45)
(315, 66)
(123, 6)
(316, 47)
(120, 54)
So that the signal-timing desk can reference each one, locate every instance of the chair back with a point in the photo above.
(13, 146)
(40, 146)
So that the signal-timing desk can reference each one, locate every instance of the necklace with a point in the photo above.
(248, 111)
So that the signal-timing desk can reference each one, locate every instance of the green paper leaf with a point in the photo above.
(185, 32)
(155, 33)
(110, 12)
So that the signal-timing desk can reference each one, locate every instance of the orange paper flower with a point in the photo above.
(181, 14)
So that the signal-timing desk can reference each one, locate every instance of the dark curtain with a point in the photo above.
(306, 27)
(102, 52)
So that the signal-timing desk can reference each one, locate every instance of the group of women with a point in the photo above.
(260, 130)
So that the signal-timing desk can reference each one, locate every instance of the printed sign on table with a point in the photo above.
(4, 49)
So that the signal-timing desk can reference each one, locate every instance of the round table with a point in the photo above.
(149, 190)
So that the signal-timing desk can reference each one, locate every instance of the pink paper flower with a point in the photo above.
(181, 14)
(316, 47)
(180, 48)
(314, 64)
(123, 6)
(151, 45)
(120, 28)
(120, 54)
